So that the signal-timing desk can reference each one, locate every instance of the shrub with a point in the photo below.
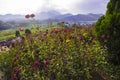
(17, 33)
(27, 31)
(109, 26)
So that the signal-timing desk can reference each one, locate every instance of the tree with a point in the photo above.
(17, 33)
(27, 31)
(109, 25)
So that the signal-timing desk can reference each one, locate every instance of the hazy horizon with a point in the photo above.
(72, 6)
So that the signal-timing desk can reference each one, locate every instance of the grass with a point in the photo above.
(10, 33)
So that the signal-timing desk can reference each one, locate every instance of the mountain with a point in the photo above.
(82, 17)
(53, 15)
(11, 17)
(62, 16)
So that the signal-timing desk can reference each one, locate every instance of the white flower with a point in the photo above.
(0, 50)
(5, 48)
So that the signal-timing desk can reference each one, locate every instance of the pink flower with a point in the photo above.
(84, 53)
(108, 36)
(20, 48)
(103, 36)
(44, 34)
(64, 60)
(37, 27)
(32, 15)
(15, 58)
(94, 38)
(21, 78)
(27, 16)
(71, 37)
(65, 50)
(56, 31)
(21, 28)
(36, 69)
(66, 30)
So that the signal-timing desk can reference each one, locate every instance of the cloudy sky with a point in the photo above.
(63, 6)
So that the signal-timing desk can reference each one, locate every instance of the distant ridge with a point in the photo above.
(53, 15)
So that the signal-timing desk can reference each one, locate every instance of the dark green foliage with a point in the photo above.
(17, 33)
(109, 25)
(27, 31)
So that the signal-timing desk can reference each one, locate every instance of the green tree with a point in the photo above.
(27, 31)
(17, 33)
(109, 25)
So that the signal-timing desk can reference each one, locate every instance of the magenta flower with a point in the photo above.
(13, 78)
(81, 38)
(16, 71)
(46, 62)
(36, 63)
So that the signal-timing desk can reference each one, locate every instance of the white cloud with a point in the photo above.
(63, 6)
(59, 5)
(96, 6)
(20, 6)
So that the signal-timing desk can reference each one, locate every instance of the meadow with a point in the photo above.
(57, 53)
(5, 34)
